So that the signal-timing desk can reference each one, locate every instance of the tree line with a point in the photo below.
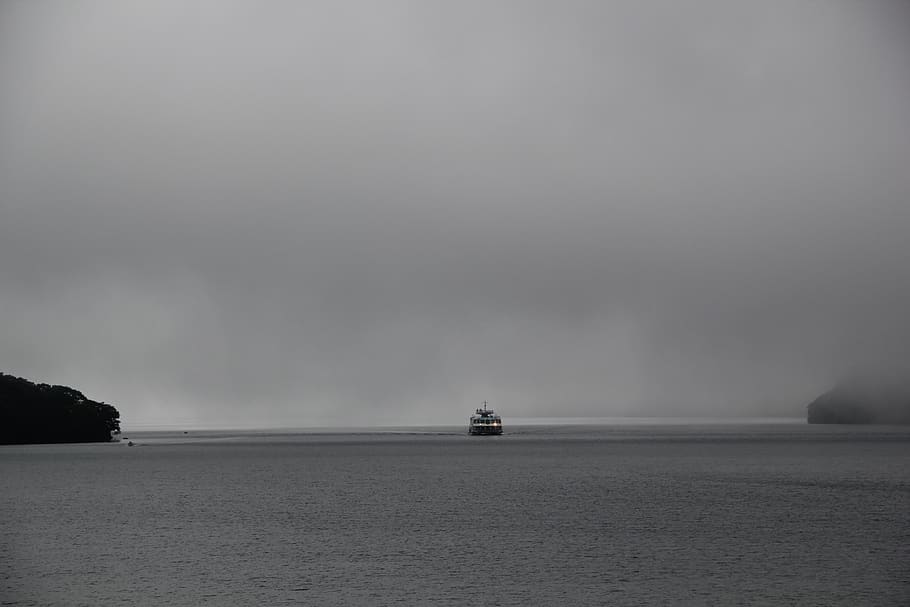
(42, 413)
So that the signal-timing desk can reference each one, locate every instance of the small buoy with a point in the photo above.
(129, 444)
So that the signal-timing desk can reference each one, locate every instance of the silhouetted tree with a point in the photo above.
(41, 413)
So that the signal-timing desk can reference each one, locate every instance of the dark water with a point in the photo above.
(650, 514)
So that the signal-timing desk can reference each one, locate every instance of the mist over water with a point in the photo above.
(304, 215)
(297, 244)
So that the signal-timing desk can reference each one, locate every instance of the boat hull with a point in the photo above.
(474, 431)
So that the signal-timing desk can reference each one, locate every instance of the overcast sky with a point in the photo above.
(284, 213)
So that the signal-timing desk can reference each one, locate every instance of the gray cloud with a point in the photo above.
(326, 213)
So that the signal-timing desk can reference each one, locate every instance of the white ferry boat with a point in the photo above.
(485, 421)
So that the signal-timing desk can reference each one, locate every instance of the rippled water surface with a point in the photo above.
(627, 514)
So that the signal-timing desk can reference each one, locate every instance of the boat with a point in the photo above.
(485, 421)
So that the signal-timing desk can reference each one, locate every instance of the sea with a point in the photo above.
(641, 513)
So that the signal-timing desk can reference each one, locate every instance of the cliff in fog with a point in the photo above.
(863, 403)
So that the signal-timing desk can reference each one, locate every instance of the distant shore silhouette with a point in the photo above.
(43, 413)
